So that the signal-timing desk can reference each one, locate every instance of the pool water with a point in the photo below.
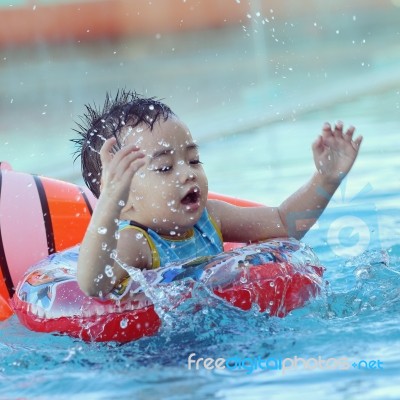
(357, 318)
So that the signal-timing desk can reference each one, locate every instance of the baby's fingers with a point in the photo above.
(338, 132)
(357, 143)
(327, 131)
(120, 174)
(127, 161)
(318, 145)
(137, 163)
(106, 150)
(348, 136)
(108, 153)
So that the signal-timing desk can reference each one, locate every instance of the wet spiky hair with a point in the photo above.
(97, 125)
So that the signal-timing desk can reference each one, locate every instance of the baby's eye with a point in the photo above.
(165, 168)
(195, 162)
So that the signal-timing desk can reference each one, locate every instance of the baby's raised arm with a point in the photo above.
(334, 154)
(95, 262)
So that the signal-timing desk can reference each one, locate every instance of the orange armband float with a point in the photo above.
(38, 216)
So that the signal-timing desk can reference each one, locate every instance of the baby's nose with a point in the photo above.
(185, 175)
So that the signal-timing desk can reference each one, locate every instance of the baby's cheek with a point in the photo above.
(167, 194)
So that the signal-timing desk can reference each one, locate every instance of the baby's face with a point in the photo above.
(169, 192)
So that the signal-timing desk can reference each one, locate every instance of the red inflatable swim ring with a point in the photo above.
(277, 276)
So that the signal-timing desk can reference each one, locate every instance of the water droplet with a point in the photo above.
(155, 220)
(109, 271)
(104, 246)
(124, 323)
(243, 279)
(139, 235)
(121, 203)
(102, 230)
(151, 107)
(272, 284)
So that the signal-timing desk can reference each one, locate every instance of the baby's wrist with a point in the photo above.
(110, 199)
(328, 182)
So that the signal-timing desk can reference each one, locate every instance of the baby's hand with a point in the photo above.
(118, 169)
(335, 152)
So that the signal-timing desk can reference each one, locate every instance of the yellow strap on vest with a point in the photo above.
(154, 253)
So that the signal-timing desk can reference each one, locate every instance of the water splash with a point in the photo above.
(164, 298)
(367, 284)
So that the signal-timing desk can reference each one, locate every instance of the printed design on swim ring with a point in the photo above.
(277, 276)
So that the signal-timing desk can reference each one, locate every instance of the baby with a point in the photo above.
(142, 163)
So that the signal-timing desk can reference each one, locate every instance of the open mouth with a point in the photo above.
(192, 197)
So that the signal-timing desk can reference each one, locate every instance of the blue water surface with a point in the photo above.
(356, 318)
